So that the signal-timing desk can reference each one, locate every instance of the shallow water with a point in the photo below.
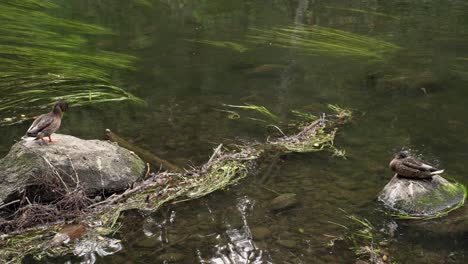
(414, 98)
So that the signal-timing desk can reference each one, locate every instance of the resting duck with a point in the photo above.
(45, 125)
(407, 166)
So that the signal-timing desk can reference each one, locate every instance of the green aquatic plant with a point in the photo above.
(362, 11)
(40, 62)
(317, 135)
(362, 237)
(341, 113)
(316, 40)
(260, 109)
(460, 67)
(221, 44)
(304, 115)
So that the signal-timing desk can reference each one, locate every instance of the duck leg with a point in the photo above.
(50, 140)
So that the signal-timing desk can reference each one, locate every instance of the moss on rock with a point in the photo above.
(422, 199)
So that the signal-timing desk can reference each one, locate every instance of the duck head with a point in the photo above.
(402, 154)
(60, 107)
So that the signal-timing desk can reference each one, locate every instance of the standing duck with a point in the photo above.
(45, 125)
(407, 166)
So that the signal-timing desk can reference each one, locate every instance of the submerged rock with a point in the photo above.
(261, 233)
(422, 198)
(171, 257)
(287, 243)
(284, 201)
(98, 166)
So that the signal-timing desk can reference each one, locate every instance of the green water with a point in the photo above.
(412, 97)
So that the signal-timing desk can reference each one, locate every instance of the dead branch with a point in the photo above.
(10, 203)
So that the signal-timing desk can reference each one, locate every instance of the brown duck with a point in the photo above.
(45, 125)
(407, 166)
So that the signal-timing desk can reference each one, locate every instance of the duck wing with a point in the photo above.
(42, 122)
(417, 164)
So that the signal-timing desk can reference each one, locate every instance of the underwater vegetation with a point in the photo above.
(366, 241)
(312, 40)
(316, 40)
(362, 11)
(39, 63)
(222, 44)
(459, 67)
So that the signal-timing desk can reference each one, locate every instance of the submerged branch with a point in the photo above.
(142, 153)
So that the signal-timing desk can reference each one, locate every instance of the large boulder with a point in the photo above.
(422, 198)
(96, 166)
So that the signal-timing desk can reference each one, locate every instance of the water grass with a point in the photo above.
(316, 134)
(221, 44)
(260, 109)
(362, 11)
(316, 40)
(362, 238)
(305, 116)
(40, 63)
(343, 114)
(460, 67)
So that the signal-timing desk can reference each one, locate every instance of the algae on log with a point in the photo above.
(96, 166)
(422, 199)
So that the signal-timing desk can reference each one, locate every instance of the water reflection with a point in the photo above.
(89, 249)
(240, 247)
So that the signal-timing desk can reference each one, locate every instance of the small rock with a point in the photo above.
(287, 243)
(171, 257)
(284, 201)
(150, 242)
(260, 233)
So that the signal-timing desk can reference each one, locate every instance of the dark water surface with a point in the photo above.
(412, 97)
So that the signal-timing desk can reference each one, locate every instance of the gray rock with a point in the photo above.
(421, 197)
(100, 166)
(284, 201)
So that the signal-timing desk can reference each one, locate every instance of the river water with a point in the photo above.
(411, 96)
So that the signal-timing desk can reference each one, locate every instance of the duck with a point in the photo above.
(46, 124)
(408, 166)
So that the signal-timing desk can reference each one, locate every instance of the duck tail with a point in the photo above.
(437, 172)
(39, 135)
